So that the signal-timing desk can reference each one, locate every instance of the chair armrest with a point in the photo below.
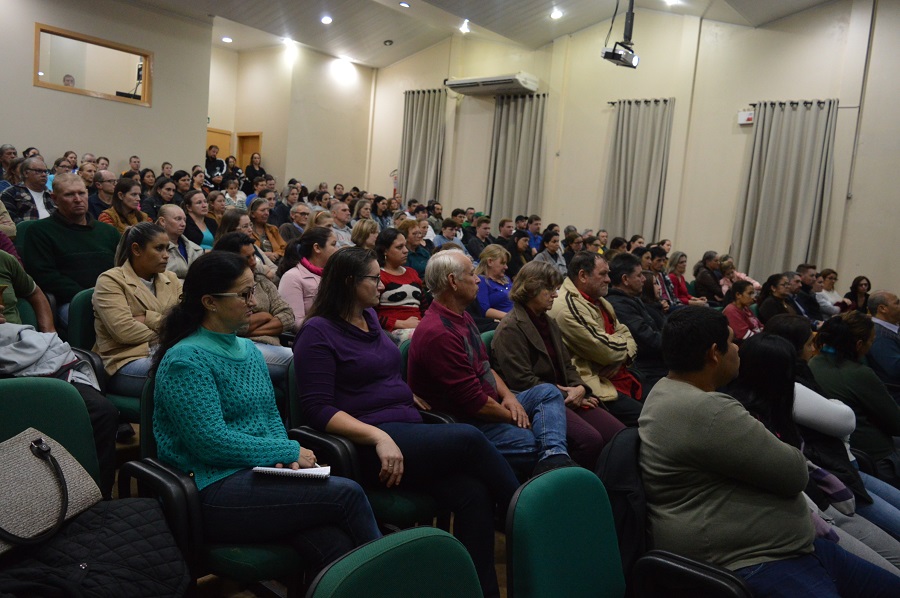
(287, 339)
(96, 364)
(660, 574)
(437, 417)
(331, 449)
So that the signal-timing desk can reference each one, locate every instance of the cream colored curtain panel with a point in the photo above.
(422, 145)
(636, 172)
(780, 220)
(516, 172)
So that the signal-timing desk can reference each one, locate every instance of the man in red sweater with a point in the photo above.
(449, 368)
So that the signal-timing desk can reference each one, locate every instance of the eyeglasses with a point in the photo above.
(38, 170)
(302, 213)
(246, 295)
(376, 278)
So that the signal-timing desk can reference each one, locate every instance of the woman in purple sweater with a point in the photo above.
(348, 374)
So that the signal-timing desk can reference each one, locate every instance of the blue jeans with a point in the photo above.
(464, 473)
(278, 359)
(547, 436)
(829, 572)
(130, 378)
(885, 508)
(322, 519)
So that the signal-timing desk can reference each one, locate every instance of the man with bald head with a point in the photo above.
(884, 356)
(66, 252)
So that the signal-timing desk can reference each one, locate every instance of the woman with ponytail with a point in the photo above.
(215, 416)
(130, 301)
(301, 269)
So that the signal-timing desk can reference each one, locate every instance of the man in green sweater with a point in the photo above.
(723, 489)
(66, 252)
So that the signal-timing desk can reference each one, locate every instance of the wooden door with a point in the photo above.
(221, 138)
(248, 143)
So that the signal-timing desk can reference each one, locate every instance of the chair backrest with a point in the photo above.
(26, 312)
(81, 332)
(148, 440)
(21, 229)
(404, 358)
(488, 338)
(422, 561)
(620, 471)
(561, 539)
(55, 408)
(660, 574)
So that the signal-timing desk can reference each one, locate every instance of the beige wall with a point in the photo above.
(223, 89)
(173, 129)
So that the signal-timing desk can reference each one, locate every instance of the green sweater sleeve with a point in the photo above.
(41, 263)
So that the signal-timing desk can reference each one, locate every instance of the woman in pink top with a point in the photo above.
(301, 269)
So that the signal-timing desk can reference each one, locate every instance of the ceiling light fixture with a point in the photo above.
(40, 73)
(622, 54)
(287, 41)
(227, 39)
(388, 42)
(672, 2)
(556, 14)
(326, 20)
(465, 26)
(404, 4)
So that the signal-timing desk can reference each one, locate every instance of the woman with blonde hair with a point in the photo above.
(493, 292)
(364, 233)
(323, 218)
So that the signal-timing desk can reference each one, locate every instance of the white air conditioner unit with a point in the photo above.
(504, 84)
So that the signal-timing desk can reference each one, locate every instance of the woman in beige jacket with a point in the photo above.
(129, 303)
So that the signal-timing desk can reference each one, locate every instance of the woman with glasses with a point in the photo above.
(301, 269)
(859, 294)
(773, 298)
(829, 296)
(125, 210)
(129, 302)
(348, 376)
(215, 416)
(574, 244)
(271, 315)
(60, 166)
(738, 300)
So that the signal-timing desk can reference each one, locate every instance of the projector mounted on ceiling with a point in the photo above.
(520, 83)
(621, 54)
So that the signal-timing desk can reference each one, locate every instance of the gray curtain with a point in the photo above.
(780, 220)
(636, 173)
(422, 145)
(516, 173)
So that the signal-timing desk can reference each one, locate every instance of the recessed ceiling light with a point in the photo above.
(227, 39)
(388, 42)
(672, 2)
(404, 4)
(40, 73)
(287, 41)
(464, 28)
(326, 20)
(556, 14)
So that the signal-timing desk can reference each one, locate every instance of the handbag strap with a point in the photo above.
(41, 450)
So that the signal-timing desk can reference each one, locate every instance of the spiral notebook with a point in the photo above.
(314, 472)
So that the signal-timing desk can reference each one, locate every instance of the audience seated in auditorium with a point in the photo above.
(738, 299)
(270, 314)
(825, 424)
(418, 255)
(535, 239)
(364, 233)
(217, 206)
(266, 236)
(730, 275)
(884, 356)
(830, 301)
(182, 251)
(66, 252)
(625, 296)
(215, 417)
(601, 346)
(348, 374)
(493, 290)
(301, 269)
(448, 368)
(651, 297)
(399, 306)
(773, 298)
(101, 192)
(658, 259)
(528, 350)
(8, 154)
(765, 386)
(299, 220)
(130, 301)
(574, 243)
(706, 280)
(481, 238)
(234, 197)
(676, 269)
(199, 227)
(30, 199)
(805, 296)
(551, 252)
(125, 209)
(449, 230)
(519, 252)
(643, 253)
(238, 220)
(843, 341)
(739, 487)
(162, 193)
(859, 294)
(340, 215)
(281, 213)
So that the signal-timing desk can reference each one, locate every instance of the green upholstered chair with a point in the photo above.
(408, 564)
(755, 309)
(393, 508)
(26, 312)
(561, 538)
(55, 408)
(660, 574)
(488, 338)
(181, 503)
(691, 288)
(21, 231)
(81, 335)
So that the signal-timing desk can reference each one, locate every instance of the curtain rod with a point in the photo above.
(806, 103)
(655, 101)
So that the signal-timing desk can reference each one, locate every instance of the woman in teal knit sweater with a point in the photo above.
(215, 416)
